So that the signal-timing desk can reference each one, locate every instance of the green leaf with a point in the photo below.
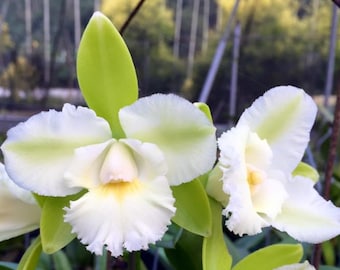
(105, 70)
(271, 257)
(31, 256)
(188, 252)
(328, 252)
(61, 261)
(303, 169)
(193, 211)
(215, 255)
(55, 233)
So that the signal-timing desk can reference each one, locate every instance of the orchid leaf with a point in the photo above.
(55, 233)
(215, 255)
(303, 169)
(193, 211)
(60, 261)
(105, 71)
(187, 253)
(31, 256)
(271, 257)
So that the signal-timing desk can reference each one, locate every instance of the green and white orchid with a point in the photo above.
(119, 156)
(257, 159)
(19, 212)
(297, 266)
(129, 202)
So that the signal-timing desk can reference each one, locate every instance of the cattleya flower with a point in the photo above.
(256, 163)
(128, 203)
(297, 266)
(19, 212)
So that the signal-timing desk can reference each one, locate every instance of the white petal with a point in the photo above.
(268, 197)
(91, 162)
(240, 212)
(178, 128)
(283, 116)
(126, 215)
(19, 213)
(85, 167)
(297, 266)
(38, 151)
(305, 215)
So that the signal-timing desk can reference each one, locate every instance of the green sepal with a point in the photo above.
(215, 254)
(31, 256)
(271, 257)
(106, 73)
(205, 109)
(303, 169)
(55, 233)
(192, 208)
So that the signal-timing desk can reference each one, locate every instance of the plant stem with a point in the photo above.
(131, 16)
(329, 168)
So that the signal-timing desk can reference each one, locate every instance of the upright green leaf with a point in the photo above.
(271, 257)
(55, 233)
(193, 211)
(105, 70)
(215, 255)
(31, 256)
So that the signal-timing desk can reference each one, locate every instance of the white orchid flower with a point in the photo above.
(19, 212)
(257, 159)
(129, 203)
(297, 266)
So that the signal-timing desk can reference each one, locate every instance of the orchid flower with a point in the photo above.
(297, 266)
(257, 159)
(19, 212)
(129, 203)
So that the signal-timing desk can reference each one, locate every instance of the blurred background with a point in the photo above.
(246, 46)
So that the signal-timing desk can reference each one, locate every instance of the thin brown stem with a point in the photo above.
(329, 168)
(131, 16)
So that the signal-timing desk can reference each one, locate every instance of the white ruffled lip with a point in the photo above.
(122, 214)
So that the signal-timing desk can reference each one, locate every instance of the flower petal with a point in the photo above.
(38, 151)
(240, 212)
(297, 266)
(178, 128)
(305, 215)
(90, 163)
(268, 197)
(284, 117)
(126, 215)
(17, 216)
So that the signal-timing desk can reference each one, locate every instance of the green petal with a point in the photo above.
(305, 170)
(284, 117)
(215, 255)
(271, 257)
(105, 70)
(193, 211)
(182, 131)
(38, 151)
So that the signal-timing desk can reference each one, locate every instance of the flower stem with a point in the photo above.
(329, 168)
